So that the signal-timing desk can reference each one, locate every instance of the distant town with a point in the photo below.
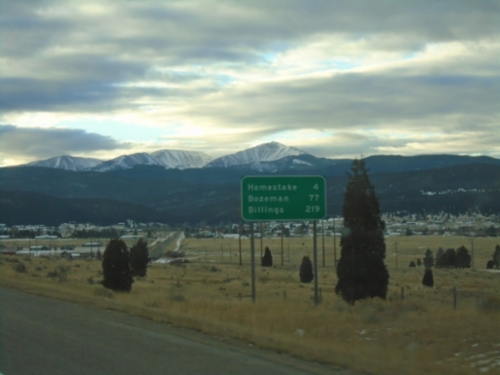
(473, 225)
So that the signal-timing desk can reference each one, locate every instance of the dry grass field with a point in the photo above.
(421, 333)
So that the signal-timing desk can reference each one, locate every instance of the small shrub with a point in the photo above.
(177, 298)
(60, 272)
(20, 267)
(490, 265)
(155, 304)
(489, 304)
(412, 264)
(103, 292)
(428, 279)
(175, 254)
(306, 270)
(267, 259)
(90, 280)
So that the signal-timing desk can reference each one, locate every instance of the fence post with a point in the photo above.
(454, 298)
(284, 295)
(402, 293)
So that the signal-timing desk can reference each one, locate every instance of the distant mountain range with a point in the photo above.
(176, 159)
(268, 158)
(178, 187)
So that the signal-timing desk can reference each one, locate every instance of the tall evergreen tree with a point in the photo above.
(115, 267)
(139, 258)
(361, 270)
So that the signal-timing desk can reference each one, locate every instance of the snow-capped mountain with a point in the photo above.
(69, 163)
(181, 159)
(271, 156)
(262, 153)
(126, 162)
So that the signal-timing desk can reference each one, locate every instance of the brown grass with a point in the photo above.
(422, 333)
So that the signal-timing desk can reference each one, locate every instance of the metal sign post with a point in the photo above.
(315, 265)
(252, 255)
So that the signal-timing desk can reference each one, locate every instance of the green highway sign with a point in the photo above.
(268, 198)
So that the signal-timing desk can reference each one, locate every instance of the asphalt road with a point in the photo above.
(40, 335)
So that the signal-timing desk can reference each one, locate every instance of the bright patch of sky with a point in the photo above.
(116, 129)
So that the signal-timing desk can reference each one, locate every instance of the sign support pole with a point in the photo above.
(239, 236)
(252, 251)
(261, 244)
(315, 252)
(282, 229)
(323, 240)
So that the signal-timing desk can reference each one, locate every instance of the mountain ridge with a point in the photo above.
(267, 158)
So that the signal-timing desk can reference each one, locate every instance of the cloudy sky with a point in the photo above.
(334, 78)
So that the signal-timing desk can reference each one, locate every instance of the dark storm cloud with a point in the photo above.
(39, 143)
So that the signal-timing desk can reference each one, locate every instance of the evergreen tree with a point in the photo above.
(139, 258)
(449, 258)
(361, 270)
(428, 259)
(463, 258)
(267, 259)
(306, 270)
(428, 279)
(440, 258)
(115, 267)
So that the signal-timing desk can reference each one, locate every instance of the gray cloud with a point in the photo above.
(59, 58)
(363, 101)
(90, 53)
(40, 143)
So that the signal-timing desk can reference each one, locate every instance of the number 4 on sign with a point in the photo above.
(316, 187)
